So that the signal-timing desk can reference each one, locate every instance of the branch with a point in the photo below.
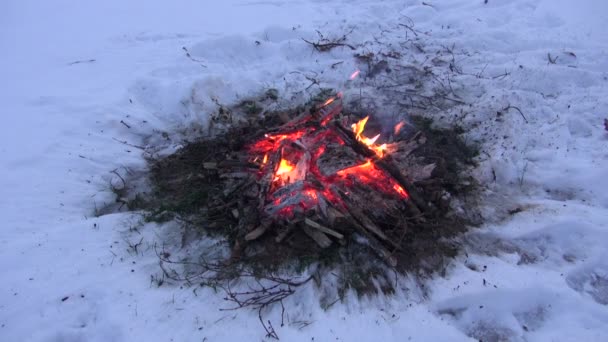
(323, 47)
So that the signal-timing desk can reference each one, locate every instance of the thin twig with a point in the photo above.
(323, 47)
(517, 109)
(124, 184)
(124, 123)
(551, 60)
(325, 44)
(126, 143)
(192, 58)
(82, 61)
(410, 28)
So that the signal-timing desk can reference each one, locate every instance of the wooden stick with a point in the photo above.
(235, 175)
(238, 186)
(210, 165)
(228, 164)
(323, 229)
(284, 233)
(374, 244)
(369, 225)
(333, 214)
(257, 232)
(321, 239)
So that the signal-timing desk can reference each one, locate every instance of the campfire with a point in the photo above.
(322, 175)
(315, 192)
(320, 184)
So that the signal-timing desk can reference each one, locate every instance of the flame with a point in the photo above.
(284, 167)
(359, 127)
(380, 150)
(265, 160)
(370, 142)
(398, 127)
(354, 74)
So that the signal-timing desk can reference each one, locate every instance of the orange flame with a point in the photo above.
(380, 150)
(359, 127)
(284, 167)
(265, 160)
(398, 127)
(370, 142)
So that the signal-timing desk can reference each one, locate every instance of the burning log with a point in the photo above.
(350, 138)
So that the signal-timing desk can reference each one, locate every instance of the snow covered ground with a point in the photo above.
(78, 77)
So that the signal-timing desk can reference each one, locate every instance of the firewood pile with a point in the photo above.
(318, 176)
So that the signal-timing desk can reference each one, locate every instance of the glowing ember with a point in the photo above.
(398, 127)
(368, 173)
(354, 75)
(272, 142)
(311, 193)
(328, 101)
(356, 169)
(400, 190)
(331, 100)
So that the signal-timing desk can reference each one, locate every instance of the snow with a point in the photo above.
(538, 275)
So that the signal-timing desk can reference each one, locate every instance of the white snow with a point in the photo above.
(537, 275)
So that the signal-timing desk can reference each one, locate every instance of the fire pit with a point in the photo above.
(312, 186)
